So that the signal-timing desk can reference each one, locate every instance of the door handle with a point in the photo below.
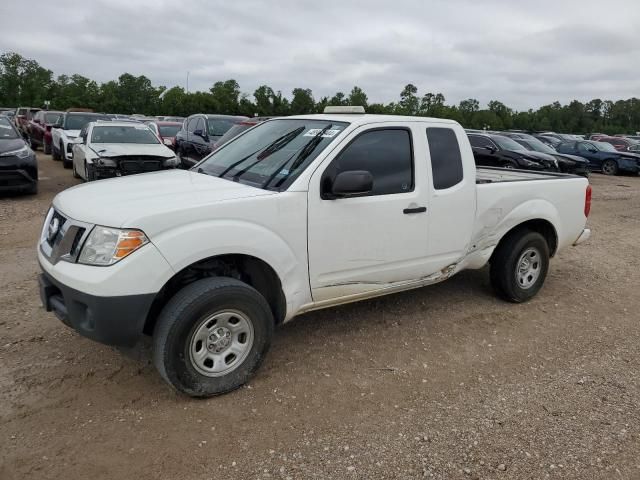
(408, 211)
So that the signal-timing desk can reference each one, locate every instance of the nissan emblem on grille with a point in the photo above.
(52, 231)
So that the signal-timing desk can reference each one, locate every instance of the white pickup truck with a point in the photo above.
(295, 214)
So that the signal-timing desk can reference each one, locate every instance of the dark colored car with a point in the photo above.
(567, 163)
(199, 134)
(602, 156)
(238, 128)
(499, 151)
(23, 117)
(166, 131)
(563, 137)
(552, 142)
(18, 165)
(619, 143)
(39, 129)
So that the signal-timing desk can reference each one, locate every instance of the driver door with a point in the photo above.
(364, 243)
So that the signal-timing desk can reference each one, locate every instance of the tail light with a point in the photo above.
(587, 201)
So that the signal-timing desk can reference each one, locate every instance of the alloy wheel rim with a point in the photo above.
(220, 343)
(528, 268)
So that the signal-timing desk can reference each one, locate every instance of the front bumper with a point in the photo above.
(17, 180)
(584, 236)
(117, 321)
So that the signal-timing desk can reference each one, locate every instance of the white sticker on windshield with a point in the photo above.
(315, 131)
(8, 127)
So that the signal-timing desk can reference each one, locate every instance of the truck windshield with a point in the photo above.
(273, 154)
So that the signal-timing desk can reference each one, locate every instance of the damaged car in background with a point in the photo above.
(114, 149)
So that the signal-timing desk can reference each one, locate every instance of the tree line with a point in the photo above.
(24, 82)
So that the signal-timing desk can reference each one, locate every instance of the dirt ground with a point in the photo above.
(442, 382)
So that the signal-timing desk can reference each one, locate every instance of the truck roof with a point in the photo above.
(364, 119)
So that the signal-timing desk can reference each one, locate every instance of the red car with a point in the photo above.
(619, 143)
(39, 129)
(22, 118)
(166, 131)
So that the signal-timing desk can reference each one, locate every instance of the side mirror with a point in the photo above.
(200, 133)
(36, 120)
(491, 150)
(351, 183)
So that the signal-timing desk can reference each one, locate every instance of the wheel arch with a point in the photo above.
(539, 225)
(246, 268)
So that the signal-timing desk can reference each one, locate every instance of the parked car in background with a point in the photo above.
(173, 119)
(297, 214)
(603, 156)
(493, 150)
(166, 131)
(238, 128)
(113, 149)
(18, 165)
(567, 163)
(564, 137)
(23, 117)
(66, 131)
(199, 134)
(597, 136)
(619, 143)
(552, 142)
(39, 129)
(10, 114)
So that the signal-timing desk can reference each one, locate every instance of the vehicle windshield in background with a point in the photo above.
(123, 134)
(218, 127)
(233, 132)
(6, 130)
(169, 130)
(76, 122)
(506, 143)
(537, 146)
(605, 147)
(51, 117)
(273, 154)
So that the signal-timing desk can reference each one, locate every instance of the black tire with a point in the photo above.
(505, 264)
(55, 155)
(46, 148)
(32, 190)
(89, 174)
(67, 163)
(610, 167)
(184, 314)
(32, 144)
(510, 165)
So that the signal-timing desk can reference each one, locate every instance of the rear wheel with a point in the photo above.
(510, 165)
(519, 265)
(46, 148)
(610, 167)
(33, 144)
(54, 153)
(212, 336)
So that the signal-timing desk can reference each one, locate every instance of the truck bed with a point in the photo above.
(500, 175)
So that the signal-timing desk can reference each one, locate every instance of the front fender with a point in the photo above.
(188, 244)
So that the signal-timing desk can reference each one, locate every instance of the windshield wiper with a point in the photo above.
(304, 153)
(279, 142)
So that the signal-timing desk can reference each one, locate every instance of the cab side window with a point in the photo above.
(385, 153)
(446, 161)
(191, 127)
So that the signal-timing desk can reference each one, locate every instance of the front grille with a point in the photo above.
(62, 237)
(13, 178)
(140, 166)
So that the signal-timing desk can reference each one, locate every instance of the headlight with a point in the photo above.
(171, 162)
(106, 246)
(23, 152)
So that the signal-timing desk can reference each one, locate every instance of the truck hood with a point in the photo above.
(635, 156)
(127, 201)
(123, 149)
(573, 158)
(70, 133)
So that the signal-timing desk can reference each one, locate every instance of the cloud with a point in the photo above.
(523, 53)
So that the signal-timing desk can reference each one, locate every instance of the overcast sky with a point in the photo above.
(523, 53)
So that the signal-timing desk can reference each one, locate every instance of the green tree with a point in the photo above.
(302, 101)
(357, 97)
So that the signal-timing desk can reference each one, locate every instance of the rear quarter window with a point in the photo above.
(446, 161)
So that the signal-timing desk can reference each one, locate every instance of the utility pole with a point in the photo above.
(187, 81)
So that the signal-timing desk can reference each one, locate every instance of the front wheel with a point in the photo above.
(212, 336)
(610, 167)
(519, 266)
(46, 148)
